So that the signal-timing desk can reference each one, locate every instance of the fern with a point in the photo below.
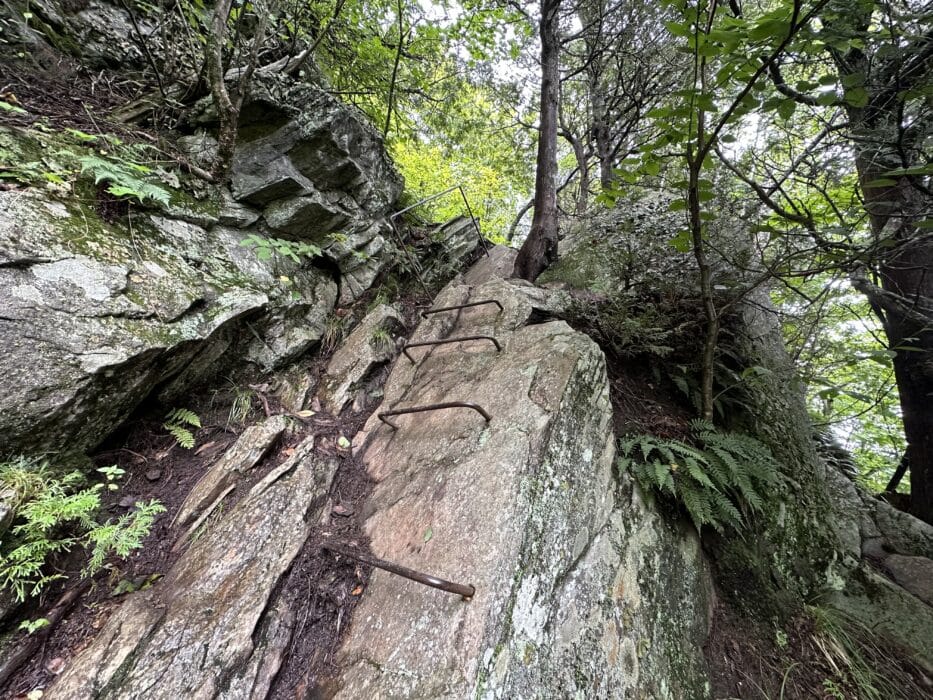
(125, 179)
(177, 423)
(53, 515)
(121, 537)
(718, 481)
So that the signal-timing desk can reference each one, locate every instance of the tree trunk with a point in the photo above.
(905, 273)
(226, 112)
(540, 248)
(904, 266)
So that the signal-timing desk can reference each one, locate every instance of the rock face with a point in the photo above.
(525, 508)
(96, 315)
(371, 344)
(320, 173)
(252, 445)
(204, 631)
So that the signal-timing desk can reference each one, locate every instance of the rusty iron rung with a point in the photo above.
(449, 340)
(424, 314)
(432, 407)
(466, 591)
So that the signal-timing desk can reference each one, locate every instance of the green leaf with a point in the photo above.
(678, 29)
(857, 97)
(7, 107)
(681, 242)
(786, 108)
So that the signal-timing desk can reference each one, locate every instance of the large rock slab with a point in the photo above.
(524, 509)
(94, 315)
(250, 447)
(204, 631)
(298, 140)
(369, 345)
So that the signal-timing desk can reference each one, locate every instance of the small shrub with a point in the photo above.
(382, 340)
(718, 482)
(53, 515)
(267, 248)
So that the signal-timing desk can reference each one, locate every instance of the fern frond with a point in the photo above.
(183, 436)
(184, 416)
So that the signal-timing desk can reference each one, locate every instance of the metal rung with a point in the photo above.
(424, 314)
(432, 407)
(450, 340)
(466, 591)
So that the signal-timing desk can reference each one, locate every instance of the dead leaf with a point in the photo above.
(307, 413)
(288, 451)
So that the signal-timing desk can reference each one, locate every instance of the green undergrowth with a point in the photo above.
(720, 480)
(60, 159)
(51, 513)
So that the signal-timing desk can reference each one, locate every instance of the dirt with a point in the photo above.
(752, 660)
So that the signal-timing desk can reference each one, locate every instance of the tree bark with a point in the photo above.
(895, 205)
(226, 111)
(905, 273)
(540, 248)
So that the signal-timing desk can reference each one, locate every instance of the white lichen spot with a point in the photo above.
(26, 292)
(98, 281)
(93, 362)
(528, 617)
(57, 209)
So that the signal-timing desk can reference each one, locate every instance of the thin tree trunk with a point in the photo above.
(398, 59)
(906, 277)
(228, 108)
(905, 265)
(540, 248)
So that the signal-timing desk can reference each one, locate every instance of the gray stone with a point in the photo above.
(308, 216)
(371, 344)
(8, 501)
(94, 316)
(277, 178)
(201, 149)
(902, 532)
(292, 331)
(252, 445)
(211, 627)
(498, 263)
(888, 610)
(913, 574)
(235, 214)
(298, 139)
(523, 509)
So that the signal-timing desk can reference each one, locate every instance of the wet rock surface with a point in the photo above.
(371, 344)
(95, 317)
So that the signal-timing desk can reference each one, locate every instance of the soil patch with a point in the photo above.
(752, 660)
